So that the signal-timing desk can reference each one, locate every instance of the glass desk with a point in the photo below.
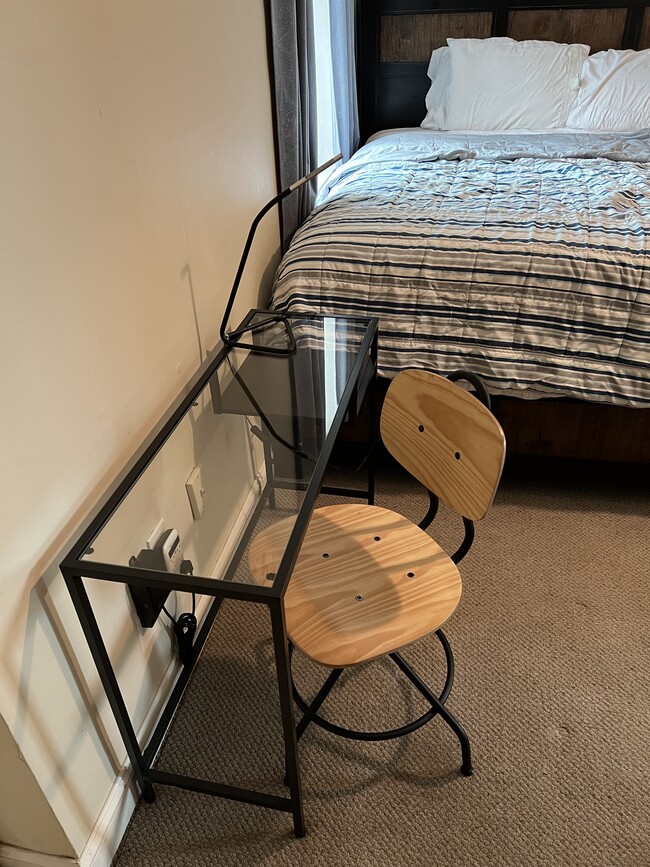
(252, 436)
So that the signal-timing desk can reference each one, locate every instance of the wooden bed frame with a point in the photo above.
(395, 41)
(396, 38)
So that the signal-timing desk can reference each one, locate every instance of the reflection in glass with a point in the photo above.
(255, 431)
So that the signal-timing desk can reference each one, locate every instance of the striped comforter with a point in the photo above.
(525, 258)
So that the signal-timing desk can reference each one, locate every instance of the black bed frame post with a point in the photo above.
(633, 25)
(500, 20)
(367, 65)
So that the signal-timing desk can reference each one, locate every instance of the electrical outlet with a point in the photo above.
(166, 556)
(170, 548)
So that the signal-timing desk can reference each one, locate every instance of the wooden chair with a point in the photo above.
(368, 581)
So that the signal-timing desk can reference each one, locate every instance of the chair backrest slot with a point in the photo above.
(445, 438)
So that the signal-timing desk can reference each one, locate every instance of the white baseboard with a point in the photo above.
(116, 813)
(118, 808)
(14, 856)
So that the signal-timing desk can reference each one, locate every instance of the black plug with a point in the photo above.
(184, 629)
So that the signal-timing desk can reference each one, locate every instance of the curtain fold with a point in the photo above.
(295, 81)
(300, 114)
(343, 53)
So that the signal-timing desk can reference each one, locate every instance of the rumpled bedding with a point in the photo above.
(523, 257)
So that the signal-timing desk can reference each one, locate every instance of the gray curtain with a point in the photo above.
(342, 39)
(294, 71)
(294, 74)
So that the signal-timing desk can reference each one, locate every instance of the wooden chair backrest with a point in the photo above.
(446, 438)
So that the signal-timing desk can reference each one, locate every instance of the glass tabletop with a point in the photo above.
(243, 454)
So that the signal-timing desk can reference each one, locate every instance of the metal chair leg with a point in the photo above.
(311, 711)
(466, 768)
(323, 692)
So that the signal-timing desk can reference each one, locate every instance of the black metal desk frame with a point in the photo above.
(75, 569)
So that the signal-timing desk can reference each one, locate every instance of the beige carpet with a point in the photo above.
(552, 641)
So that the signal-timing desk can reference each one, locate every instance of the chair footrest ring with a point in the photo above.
(389, 734)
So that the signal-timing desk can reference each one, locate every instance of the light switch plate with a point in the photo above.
(196, 493)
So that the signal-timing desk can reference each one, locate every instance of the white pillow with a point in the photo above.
(500, 83)
(439, 72)
(614, 92)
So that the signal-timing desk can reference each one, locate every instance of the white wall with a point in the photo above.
(135, 147)
(18, 791)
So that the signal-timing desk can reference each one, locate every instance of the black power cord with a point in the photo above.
(185, 625)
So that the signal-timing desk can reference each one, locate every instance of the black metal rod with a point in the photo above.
(322, 694)
(451, 669)
(373, 421)
(474, 379)
(434, 502)
(300, 527)
(182, 681)
(345, 492)
(270, 472)
(109, 681)
(466, 544)
(228, 338)
(357, 493)
(436, 704)
(233, 793)
(389, 734)
(353, 734)
(174, 581)
(283, 669)
(399, 7)
(633, 27)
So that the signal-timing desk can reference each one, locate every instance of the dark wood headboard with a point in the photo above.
(396, 38)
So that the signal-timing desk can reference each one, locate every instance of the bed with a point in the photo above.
(521, 254)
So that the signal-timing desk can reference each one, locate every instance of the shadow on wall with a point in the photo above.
(52, 647)
(264, 291)
(47, 595)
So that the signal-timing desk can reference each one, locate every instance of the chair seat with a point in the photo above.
(367, 582)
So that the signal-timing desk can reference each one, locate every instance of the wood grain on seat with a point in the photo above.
(445, 438)
(367, 582)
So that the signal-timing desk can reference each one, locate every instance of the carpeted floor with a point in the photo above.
(551, 640)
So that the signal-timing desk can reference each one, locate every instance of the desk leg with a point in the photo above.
(268, 464)
(373, 427)
(109, 682)
(283, 668)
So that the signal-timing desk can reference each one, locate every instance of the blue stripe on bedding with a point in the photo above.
(313, 241)
(533, 269)
(484, 315)
(449, 269)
